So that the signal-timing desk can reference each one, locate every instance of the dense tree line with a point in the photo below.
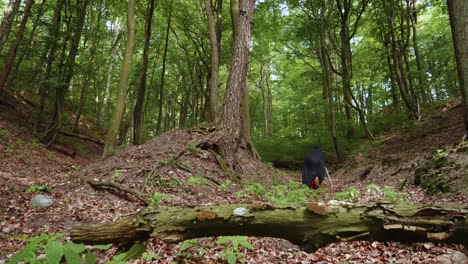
(298, 71)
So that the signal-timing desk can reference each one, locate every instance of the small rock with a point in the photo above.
(41, 201)
(6, 230)
(453, 258)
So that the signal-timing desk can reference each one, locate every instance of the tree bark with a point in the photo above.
(212, 111)
(62, 87)
(14, 48)
(111, 140)
(115, 38)
(89, 71)
(458, 13)
(163, 71)
(5, 26)
(140, 92)
(311, 227)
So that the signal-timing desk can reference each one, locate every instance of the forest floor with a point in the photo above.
(186, 175)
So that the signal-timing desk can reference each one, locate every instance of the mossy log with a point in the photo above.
(311, 226)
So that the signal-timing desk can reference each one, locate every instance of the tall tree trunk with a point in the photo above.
(7, 21)
(105, 99)
(163, 71)
(140, 92)
(62, 87)
(458, 12)
(111, 140)
(327, 82)
(212, 110)
(48, 56)
(12, 53)
(31, 40)
(234, 130)
(421, 75)
(345, 9)
(89, 72)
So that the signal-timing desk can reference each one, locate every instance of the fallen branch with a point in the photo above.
(63, 150)
(310, 227)
(120, 187)
(287, 164)
(87, 138)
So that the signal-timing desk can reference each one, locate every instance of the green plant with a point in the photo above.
(289, 193)
(135, 251)
(189, 249)
(194, 149)
(225, 185)
(231, 244)
(196, 180)
(156, 199)
(350, 194)
(252, 189)
(4, 132)
(393, 196)
(38, 189)
(55, 250)
(117, 174)
(373, 189)
(36, 144)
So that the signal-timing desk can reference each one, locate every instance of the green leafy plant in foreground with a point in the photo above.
(189, 249)
(55, 250)
(232, 253)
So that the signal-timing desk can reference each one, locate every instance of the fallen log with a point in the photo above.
(310, 227)
(87, 138)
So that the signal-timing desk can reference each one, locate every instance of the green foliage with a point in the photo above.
(225, 185)
(232, 252)
(373, 189)
(290, 193)
(197, 180)
(256, 189)
(135, 251)
(393, 196)
(190, 249)
(194, 149)
(117, 174)
(156, 199)
(55, 251)
(280, 194)
(350, 194)
(4, 132)
(38, 189)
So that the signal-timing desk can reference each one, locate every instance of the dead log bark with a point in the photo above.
(63, 150)
(310, 227)
(70, 134)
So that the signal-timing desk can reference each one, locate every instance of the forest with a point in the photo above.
(174, 131)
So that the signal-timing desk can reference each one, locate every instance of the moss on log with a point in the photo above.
(311, 226)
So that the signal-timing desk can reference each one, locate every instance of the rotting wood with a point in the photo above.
(310, 227)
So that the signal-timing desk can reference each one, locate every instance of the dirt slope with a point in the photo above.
(171, 164)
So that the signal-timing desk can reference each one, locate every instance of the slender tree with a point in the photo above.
(141, 90)
(14, 48)
(214, 31)
(111, 140)
(163, 71)
(8, 17)
(66, 74)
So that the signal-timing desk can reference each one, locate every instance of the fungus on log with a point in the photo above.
(311, 226)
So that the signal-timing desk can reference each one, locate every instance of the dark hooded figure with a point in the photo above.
(313, 170)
